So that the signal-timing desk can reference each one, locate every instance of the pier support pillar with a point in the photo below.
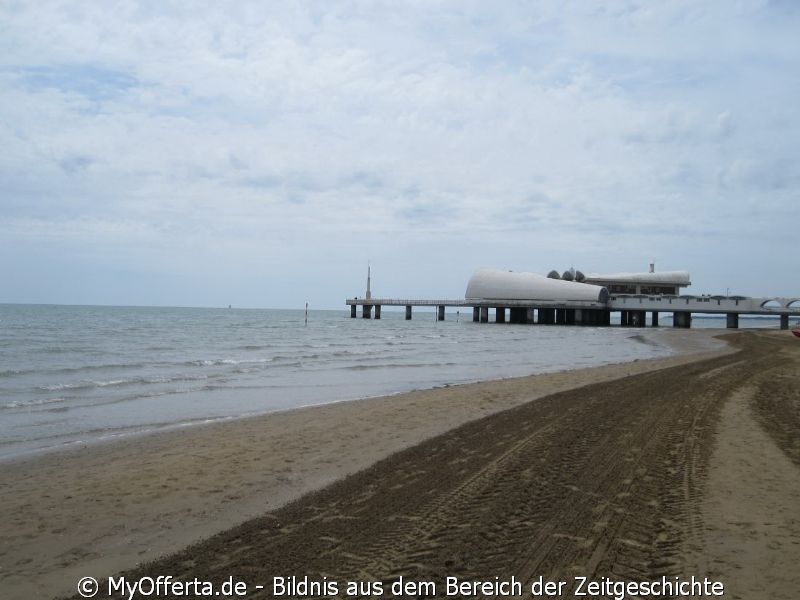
(476, 314)
(484, 314)
(440, 312)
(569, 316)
(732, 320)
(655, 318)
(638, 318)
(366, 311)
(624, 318)
(528, 316)
(500, 314)
(377, 311)
(408, 312)
(353, 308)
(784, 321)
(682, 319)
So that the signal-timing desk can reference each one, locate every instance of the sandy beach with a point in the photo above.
(680, 466)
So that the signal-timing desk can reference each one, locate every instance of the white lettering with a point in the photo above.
(581, 581)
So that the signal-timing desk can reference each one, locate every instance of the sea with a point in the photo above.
(76, 375)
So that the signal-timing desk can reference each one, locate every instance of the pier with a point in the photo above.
(633, 309)
(577, 299)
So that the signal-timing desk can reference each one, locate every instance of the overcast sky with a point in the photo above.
(260, 153)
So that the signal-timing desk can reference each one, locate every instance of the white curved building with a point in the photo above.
(492, 284)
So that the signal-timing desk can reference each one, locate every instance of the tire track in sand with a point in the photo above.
(600, 481)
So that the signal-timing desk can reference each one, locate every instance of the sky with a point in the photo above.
(262, 154)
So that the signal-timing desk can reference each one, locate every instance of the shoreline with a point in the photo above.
(643, 336)
(105, 507)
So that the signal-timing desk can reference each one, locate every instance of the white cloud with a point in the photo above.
(319, 129)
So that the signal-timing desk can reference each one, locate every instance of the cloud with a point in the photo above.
(343, 124)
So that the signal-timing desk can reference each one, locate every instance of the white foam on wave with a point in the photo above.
(36, 402)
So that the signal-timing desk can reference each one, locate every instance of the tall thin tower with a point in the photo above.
(369, 293)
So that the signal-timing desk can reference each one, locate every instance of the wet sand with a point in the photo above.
(479, 480)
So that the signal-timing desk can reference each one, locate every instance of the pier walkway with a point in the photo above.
(633, 309)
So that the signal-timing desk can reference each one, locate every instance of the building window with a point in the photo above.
(619, 288)
(653, 290)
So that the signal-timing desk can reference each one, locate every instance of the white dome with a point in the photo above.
(491, 284)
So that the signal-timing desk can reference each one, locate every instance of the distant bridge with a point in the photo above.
(633, 309)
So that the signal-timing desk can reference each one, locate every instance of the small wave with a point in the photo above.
(82, 385)
(88, 384)
(353, 352)
(295, 363)
(199, 363)
(78, 404)
(216, 362)
(289, 361)
(396, 366)
(37, 402)
(12, 372)
(103, 367)
(281, 358)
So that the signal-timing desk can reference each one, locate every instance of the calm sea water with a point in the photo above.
(76, 374)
